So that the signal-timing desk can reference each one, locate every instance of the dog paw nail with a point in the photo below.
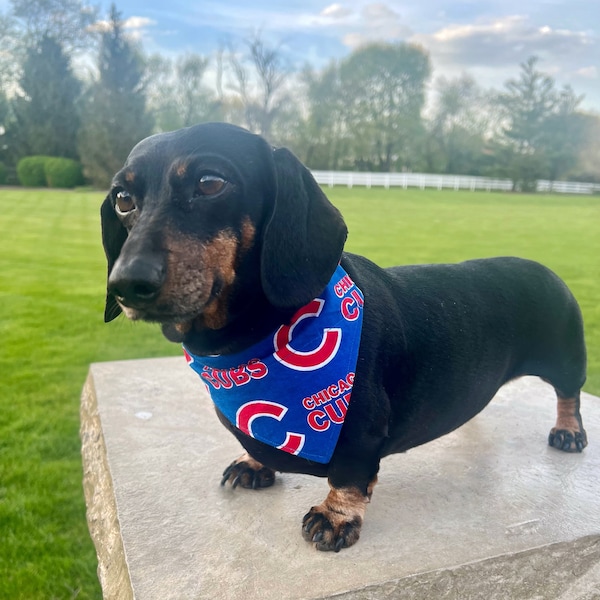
(339, 545)
(308, 526)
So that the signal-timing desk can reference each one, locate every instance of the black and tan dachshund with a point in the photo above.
(234, 249)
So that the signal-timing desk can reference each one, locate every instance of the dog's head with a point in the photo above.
(205, 222)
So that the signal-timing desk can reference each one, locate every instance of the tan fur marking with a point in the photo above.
(371, 487)
(566, 414)
(130, 177)
(248, 233)
(183, 328)
(181, 169)
(192, 269)
(343, 504)
(248, 473)
(220, 256)
(253, 464)
(336, 523)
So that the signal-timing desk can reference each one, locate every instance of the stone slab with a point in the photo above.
(489, 511)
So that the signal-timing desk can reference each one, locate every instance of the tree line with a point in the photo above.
(75, 86)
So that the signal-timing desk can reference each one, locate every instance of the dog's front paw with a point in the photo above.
(336, 523)
(567, 440)
(248, 473)
(330, 530)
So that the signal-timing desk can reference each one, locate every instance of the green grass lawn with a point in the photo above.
(52, 284)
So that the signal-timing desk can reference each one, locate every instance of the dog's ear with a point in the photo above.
(304, 239)
(113, 238)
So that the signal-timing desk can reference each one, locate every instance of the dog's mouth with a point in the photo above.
(175, 324)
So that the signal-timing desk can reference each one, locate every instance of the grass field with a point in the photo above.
(52, 283)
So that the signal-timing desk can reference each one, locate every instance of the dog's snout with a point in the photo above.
(137, 283)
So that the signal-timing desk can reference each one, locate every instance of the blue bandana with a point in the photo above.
(292, 390)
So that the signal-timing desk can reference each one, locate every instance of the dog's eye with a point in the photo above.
(124, 202)
(210, 185)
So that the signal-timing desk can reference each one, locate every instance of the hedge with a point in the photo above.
(30, 171)
(3, 173)
(63, 173)
(41, 171)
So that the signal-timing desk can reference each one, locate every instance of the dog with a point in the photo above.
(234, 249)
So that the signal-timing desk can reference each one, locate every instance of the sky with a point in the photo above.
(486, 38)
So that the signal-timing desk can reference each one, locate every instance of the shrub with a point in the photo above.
(41, 171)
(30, 171)
(3, 173)
(63, 173)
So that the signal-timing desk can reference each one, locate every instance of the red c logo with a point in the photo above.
(250, 411)
(314, 359)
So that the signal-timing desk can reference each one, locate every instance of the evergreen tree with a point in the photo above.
(66, 21)
(544, 134)
(563, 135)
(45, 119)
(114, 108)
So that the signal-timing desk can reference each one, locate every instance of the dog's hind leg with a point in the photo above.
(568, 434)
(248, 473)
(561, 361)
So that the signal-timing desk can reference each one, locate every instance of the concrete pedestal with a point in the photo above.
(487, 512)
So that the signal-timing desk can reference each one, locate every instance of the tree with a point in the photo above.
(543, 133)
(322, 136)
(563, 135)
(383, 88)
(66, 21)
(259, 81)
(527, 103)
(114, 107)
(177, 95)
(458, 127)
(7, 68)
(45, 118)
(587, 167)
(8, 51)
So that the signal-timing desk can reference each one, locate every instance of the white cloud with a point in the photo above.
(355, 40)
(378, 12)
(335, 11)
(377, 22)
(590, 72)
(492, 50)
(504, 41)
(136, 27)
(138, 22)
(454, 33)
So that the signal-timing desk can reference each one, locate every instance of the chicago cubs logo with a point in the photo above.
(249, 412)
(313, 359)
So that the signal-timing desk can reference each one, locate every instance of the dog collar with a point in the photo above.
(292, 389)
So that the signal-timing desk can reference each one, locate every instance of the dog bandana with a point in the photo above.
(292, 389)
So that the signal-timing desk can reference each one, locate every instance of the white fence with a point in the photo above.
(453, 182)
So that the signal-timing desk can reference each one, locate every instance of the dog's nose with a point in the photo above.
(137, 283)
